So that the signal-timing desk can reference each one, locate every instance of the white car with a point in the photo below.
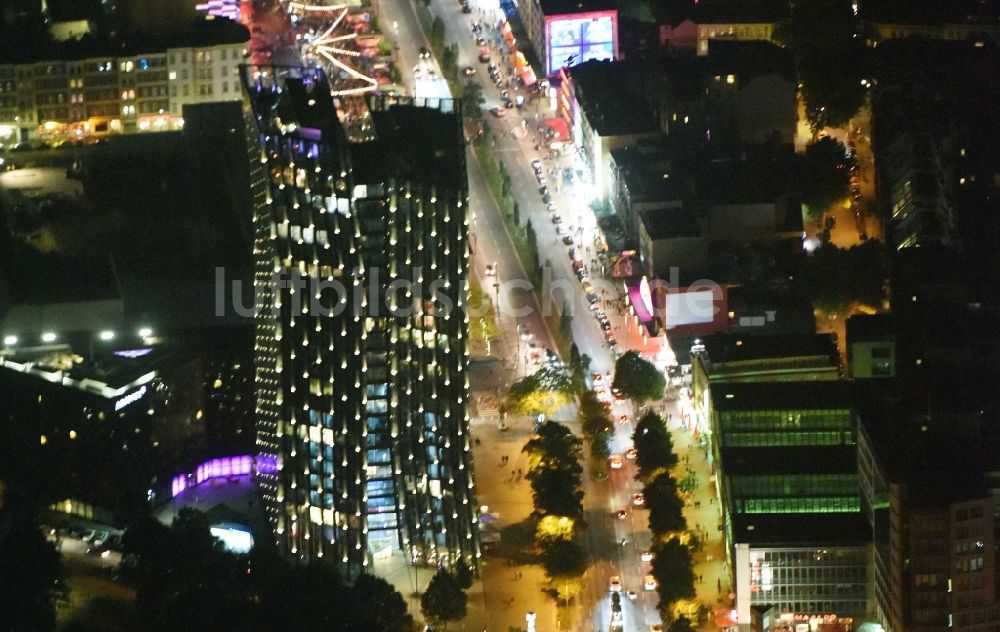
(616, 462)
(646, 556)
(638, 500)
(490, 270)
(649, 583)
(536, 163)
(417, 73)
(615, 585)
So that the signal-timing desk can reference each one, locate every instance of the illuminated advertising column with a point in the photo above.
(743, 589)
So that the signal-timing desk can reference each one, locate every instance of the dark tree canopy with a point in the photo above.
(554, 471)
(654, 447)
(816, 24)
(825, 174)
(832, 59)
(186, 581)
(544, 391)
(681, 624)
(835, 279)
(596, 425)
(832, 85)
(30, 569)
(444, 600)
(672, 568)
(564, 558)
(666, 510)
(638, 379)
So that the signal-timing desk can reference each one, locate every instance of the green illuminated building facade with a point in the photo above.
(787, 473)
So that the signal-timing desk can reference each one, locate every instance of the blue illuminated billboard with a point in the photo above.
(574, 39)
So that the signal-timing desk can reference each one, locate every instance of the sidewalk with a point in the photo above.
(704, 515)
(505, 592)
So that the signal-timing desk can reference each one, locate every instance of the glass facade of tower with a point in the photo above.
(362, 350)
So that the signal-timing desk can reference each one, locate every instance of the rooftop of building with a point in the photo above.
(646, 168)
(870, 328)
(746, 181)
(80, 360)
(788, 460)
(938, 460)
(566, 7)
(806, 395)
(670, 223)
(806, 529)
(611, 112)
(748, 60)
(196, 33)
(725, 11)
(136, 233)
(931, 11)
(728, 348)
(421, 144)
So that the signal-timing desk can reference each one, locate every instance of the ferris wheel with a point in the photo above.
(330, 42)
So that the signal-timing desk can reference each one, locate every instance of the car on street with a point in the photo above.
(497, 112)
(655, 627)
(615, 584)
(567, 239)
(466, 8)
(541, 179)
(623, 418)
(632, 595)
(605, 325)
(477, 28)
(507, 103)
(432, 74)
(616, 462)
(469, 71)
(490, 270)
(622, 513)
(646, 556)
(417, 72)
(553, 208)
(424, 53)
(649, 583)
(480, 41)
(547, 198)
(638, 500)
(630, 454)
(536, 164)
(556, 219)
(612, 342)
(596, 378)
(484, 55)
(543, 190)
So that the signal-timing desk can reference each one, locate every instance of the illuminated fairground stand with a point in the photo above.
(326, 36)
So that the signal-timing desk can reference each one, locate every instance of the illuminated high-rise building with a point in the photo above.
(362, 348)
